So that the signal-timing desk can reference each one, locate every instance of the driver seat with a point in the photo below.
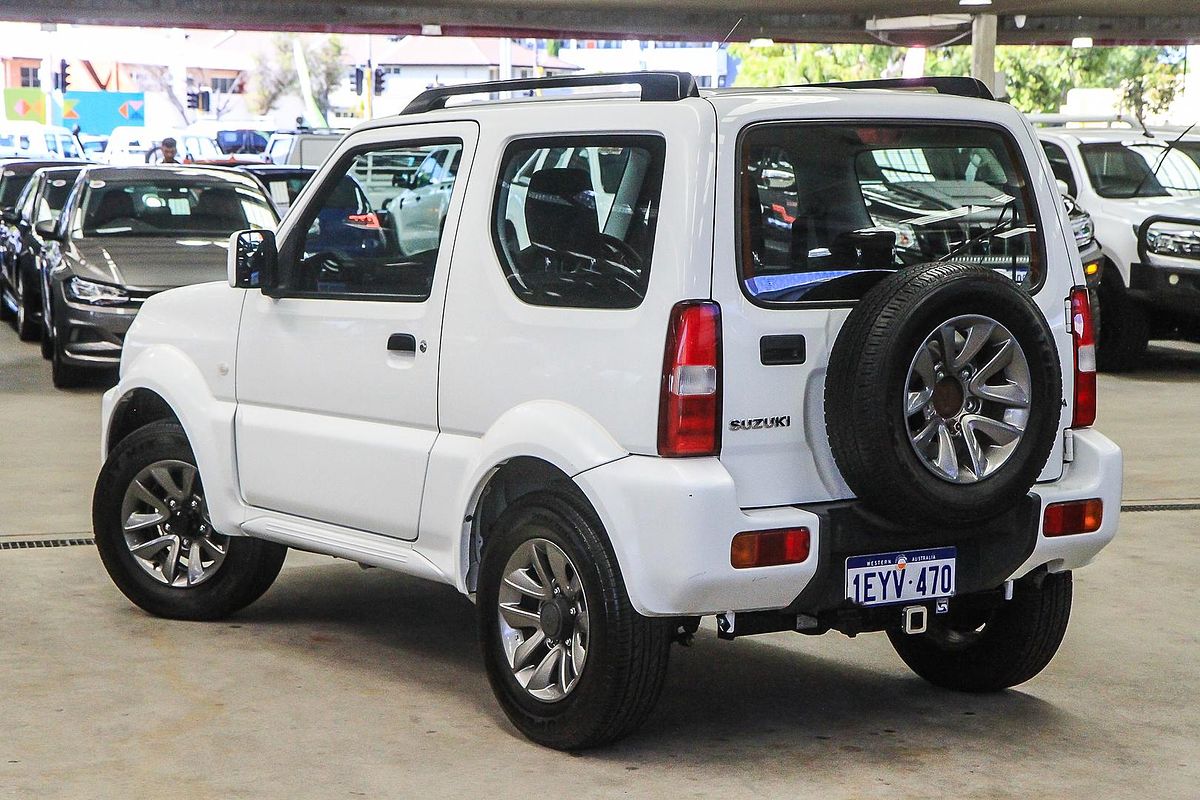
(115, 204)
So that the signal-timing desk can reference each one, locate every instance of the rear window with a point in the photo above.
(827, 211)
(575, 219)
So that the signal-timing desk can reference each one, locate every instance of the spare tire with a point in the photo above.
(943, 395)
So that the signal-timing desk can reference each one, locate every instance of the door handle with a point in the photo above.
(402, 343)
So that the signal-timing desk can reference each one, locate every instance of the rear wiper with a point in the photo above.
(999, 227)
(1161, 160)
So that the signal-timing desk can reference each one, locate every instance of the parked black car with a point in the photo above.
(125, 234)
(41, 201)
(15, 175)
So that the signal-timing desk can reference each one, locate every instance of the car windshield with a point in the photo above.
(58, 186)
(12, 183)
(170, 206)
(829, 210)
(1143, 168)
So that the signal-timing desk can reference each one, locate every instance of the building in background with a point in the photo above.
(412, 64)
(710, 62)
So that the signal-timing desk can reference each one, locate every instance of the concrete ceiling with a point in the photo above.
(1046, 21)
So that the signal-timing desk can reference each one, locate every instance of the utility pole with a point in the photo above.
(369, 89)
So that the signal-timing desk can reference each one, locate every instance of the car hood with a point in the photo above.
(149, 263)
(1137, 209)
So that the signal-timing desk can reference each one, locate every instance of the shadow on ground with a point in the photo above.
(725, 704)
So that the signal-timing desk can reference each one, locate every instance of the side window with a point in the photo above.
(368, 237)
(575, 218)
(1060, 166)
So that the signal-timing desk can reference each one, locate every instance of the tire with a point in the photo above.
(248, 566)
(6, 313)
(875, 439)
(1016, 641)
(625, 662)
(47, 343)
(1126, 333)
(28, 328)
(64, 375)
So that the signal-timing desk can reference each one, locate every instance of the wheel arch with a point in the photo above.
(161, 383)
(535, 446)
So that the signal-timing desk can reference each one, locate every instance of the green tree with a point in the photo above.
(1039, 77)
(274, 74)
(785, 64)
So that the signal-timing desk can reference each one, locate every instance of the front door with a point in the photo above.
(337, 370)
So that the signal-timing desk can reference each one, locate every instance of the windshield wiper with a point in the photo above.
(1162, 160)
(999, 227)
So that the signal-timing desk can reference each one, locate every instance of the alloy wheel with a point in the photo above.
(543, 619)
(167, 528)
(967, 398)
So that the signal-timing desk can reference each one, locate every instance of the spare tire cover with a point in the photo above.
(943, 395)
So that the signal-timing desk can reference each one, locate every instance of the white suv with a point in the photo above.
(1142, 190)
(820, 360)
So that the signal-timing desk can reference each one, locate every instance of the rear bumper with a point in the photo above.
(671, 523)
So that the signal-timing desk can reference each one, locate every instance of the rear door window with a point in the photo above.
(575, 219)
(826, 211)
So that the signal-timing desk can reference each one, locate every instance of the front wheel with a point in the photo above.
(155, 537)
(1123, 340)
(62, 374)
(571, 662)
(29, 327)
(990, 652)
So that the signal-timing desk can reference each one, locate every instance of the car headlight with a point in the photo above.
(95, 294)
(1084, 230)
(1172, 239)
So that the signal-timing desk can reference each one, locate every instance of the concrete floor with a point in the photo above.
(344, 683)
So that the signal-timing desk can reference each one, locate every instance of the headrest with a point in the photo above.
(560, 209)
(115, 204)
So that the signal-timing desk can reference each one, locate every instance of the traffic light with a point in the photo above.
(193, 99)
(62, 78)
(380, 76)
(356, 78)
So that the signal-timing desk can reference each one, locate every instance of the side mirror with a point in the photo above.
(253, 260)
(8, 215)
(1063, 189)
(47, 229)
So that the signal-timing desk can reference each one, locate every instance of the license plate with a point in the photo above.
(903, 577)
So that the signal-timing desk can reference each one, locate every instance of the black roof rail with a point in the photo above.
(656, 87)
(956, 85)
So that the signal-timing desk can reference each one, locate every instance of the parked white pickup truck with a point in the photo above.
(1142, 190)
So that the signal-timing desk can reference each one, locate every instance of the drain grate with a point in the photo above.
(1134, 507)
(29, 544)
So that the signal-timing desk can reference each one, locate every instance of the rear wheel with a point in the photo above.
(155, 537)
(1126, 332)
(990, 652)
(571, 662)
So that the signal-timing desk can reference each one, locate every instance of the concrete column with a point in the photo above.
(983, 49)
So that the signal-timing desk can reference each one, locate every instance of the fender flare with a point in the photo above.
(460, 468)
(206, 420)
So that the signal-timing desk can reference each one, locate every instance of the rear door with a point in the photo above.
(818, 206)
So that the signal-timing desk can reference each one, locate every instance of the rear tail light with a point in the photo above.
(1077, 516)
(769, 548)
(1084, 335)
(689, 416)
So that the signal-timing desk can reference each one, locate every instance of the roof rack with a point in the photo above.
(656, 87)
(956, 85)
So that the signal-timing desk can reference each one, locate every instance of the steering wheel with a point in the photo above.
(632, 258)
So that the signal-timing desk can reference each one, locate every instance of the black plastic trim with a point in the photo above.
(781, 349)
